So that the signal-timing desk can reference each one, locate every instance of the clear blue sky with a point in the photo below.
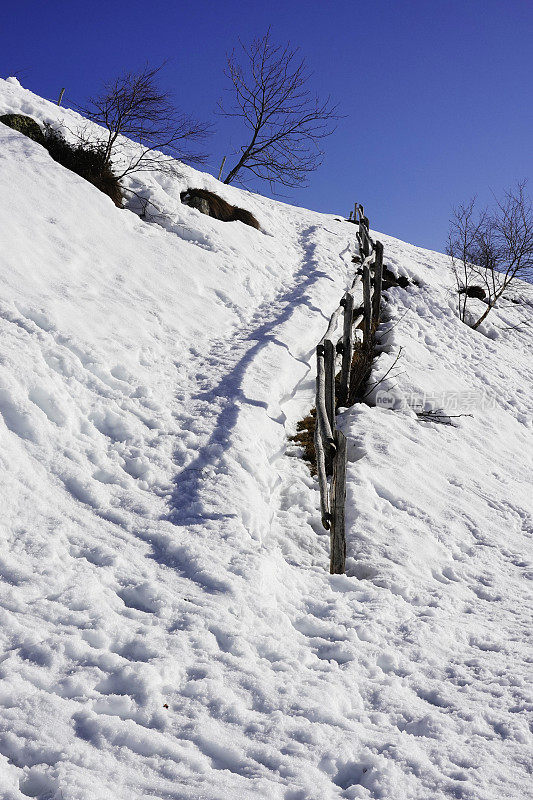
(438, 93)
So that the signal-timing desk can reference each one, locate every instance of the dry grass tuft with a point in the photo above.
(214, 206)
(305, 438)
(361, 367)
(86, 160)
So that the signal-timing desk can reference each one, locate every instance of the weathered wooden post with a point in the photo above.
(330, 444)
(323, 415)
(337, 562)
(347, 349)
(366, 235)
(378, 279)
(61, 93)
(363, 241)
(329, 368)
(321, 474)
(367, 300)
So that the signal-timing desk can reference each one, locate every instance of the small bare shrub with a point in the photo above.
(133, 106)
(489, 250)
(305, 438)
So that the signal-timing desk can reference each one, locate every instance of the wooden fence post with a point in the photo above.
(378, 278)
(329, 367)
(337, 563)
(363, 240)
(330, 444)
(347, 349)
(321, 474)
(367, 320)
(61, 93)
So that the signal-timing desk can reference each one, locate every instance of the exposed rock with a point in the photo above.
(214, 206)
(25, 125)
(390, 279)
(200, 203)
(474, 291)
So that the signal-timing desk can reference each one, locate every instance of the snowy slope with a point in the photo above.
(169, 628)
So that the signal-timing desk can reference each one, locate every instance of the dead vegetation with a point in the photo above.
(85, 159)
(440, 416)
(305, 438)
(214, 206)
(360, 372)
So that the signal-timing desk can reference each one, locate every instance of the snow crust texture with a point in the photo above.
(168, 625)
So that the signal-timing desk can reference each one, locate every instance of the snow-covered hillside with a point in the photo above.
(169, 627)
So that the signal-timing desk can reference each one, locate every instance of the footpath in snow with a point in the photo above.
(169, 628)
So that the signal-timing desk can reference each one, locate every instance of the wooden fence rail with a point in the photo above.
(330, 443)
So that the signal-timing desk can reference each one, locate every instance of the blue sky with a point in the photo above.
(438, 94)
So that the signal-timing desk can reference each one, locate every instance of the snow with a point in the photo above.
(169, 627)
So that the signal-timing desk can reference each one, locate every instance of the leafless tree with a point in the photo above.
(285, 121)
(134, 107)
(465, 227)
(490, 249)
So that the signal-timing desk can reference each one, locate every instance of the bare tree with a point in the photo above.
(133, 106)
(489, 250)
(285, 121)
(465, 227)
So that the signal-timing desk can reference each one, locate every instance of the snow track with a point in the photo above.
(236, 372)
(169, 628)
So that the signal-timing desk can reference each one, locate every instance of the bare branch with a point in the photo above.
(386, 374)
(491, 249)
(133, 107)
(284, 119)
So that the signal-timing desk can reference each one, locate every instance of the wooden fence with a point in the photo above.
(330, 443)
